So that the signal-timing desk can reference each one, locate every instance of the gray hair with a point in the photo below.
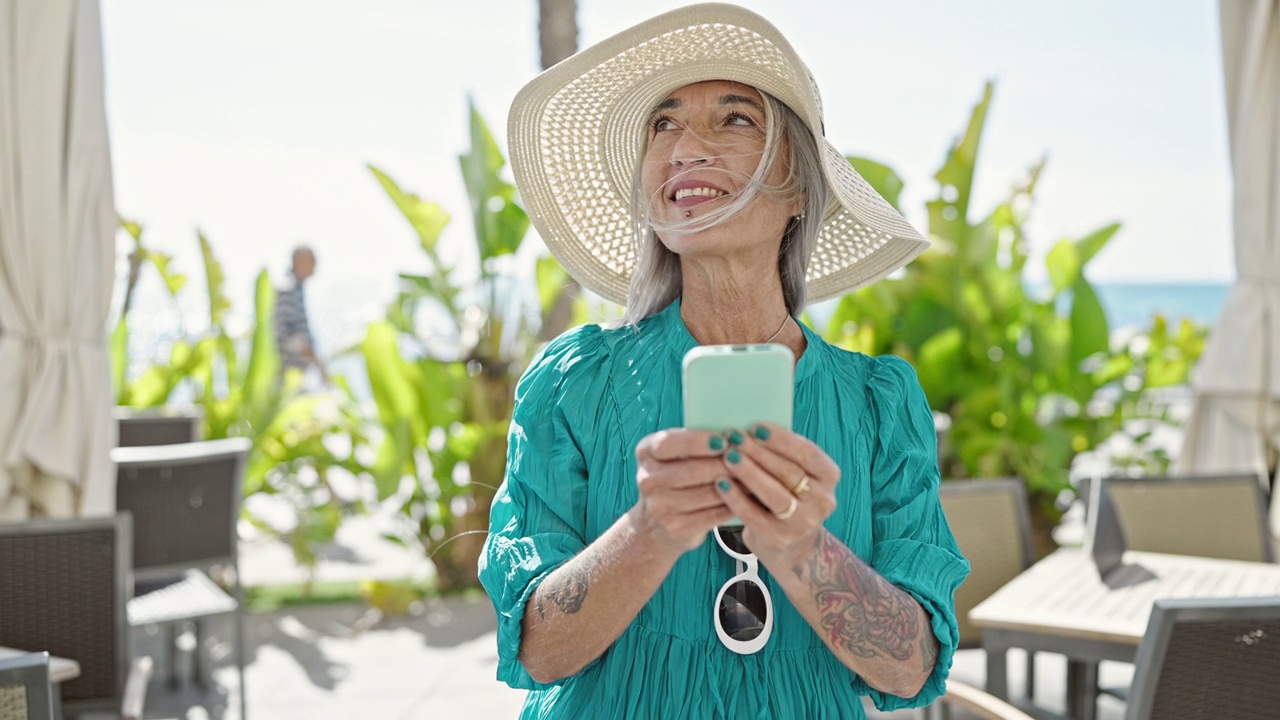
(656, 280)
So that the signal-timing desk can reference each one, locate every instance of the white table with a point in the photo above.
(60, 669)
(1061, 605)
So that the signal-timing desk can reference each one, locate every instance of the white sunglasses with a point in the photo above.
(743, 611)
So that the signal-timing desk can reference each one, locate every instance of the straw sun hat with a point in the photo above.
(577, 131)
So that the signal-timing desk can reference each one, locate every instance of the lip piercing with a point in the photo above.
(688, 213)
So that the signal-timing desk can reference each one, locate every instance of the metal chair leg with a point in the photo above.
(200, 667)
(1031, 675)
(240, 653)
(171, 631)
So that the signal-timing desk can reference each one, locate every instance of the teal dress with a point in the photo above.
(581, 408)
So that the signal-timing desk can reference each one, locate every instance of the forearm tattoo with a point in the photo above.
(566, 589)
(861, 612)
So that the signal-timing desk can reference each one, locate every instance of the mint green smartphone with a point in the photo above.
(728, 387)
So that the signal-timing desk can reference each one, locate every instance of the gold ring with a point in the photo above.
(801, 487)
(791, 509)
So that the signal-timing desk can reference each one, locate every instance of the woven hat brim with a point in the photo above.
(575, 134)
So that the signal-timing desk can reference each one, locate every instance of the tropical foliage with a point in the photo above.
(298, 439)
(442, 366)
(1029, 378)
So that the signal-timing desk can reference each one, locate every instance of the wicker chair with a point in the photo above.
(1208, 658)
(66, 583)
(137, 428)
(1222, 516)
(25, 691)
(990, 523)
(1205, 516)
(185, 501)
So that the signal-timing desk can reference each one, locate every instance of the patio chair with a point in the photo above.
(160, 426)
(979, 703)
(65, 585)
(1213, 657)
(185, 501)
(989, 519)
(25, 690)
(1219, 516)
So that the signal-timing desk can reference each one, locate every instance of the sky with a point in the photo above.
(255, 120)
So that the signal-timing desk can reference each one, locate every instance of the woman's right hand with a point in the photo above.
(676, 473)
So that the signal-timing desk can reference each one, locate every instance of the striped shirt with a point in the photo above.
(293, 333)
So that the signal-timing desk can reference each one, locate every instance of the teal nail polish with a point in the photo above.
(735, 437)
(723, 484)
(762, 432)
(733, 457)
(716, 442)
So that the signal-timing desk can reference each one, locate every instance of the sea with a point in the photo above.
(338, 322)
(1129, 306)
(1133, 305)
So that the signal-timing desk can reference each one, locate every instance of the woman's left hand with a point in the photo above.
(782, 487)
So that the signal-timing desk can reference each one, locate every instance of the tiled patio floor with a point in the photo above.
(323, 662)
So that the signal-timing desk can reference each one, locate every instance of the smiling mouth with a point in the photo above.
(698, 192)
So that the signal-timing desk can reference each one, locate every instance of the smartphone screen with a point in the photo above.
(733, 387)
(730, 387)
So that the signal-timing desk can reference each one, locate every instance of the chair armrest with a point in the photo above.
(982, 703)
(135, 689)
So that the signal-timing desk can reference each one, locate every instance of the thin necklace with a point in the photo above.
(779, 331)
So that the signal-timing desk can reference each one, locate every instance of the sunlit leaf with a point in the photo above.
(1093, 243)
(393, 455)
(500, 223)
(173, 282)
(939, 362)
(1113, 369)
(261, 376)
(1089, 332)
(215, 281)
(427, 218)
(1063, 264)
(120, 360)
(440, 391)
(396, 385)
(134, 229)
(948, 214)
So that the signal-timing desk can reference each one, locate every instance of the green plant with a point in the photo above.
(1029, 379)
(238, 384)
(157, 383)
(443, 364)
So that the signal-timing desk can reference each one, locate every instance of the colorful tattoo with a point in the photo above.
(566, 589)
(861, 611)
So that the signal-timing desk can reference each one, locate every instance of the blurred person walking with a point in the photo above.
(293, 331)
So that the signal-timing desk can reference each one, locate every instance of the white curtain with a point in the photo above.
(57, 256)
(1235, 421)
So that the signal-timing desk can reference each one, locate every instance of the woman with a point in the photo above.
(679, 168)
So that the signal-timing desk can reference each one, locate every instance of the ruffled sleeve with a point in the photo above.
(913, 546)
(539, 514)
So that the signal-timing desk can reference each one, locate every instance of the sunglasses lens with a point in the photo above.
(731, 536)
(743, 612)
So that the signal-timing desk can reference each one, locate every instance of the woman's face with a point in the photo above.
(705, 142)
